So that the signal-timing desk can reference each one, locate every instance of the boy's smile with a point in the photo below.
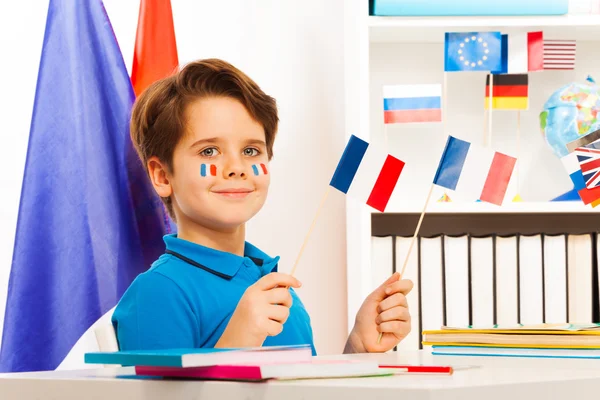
(233, 193)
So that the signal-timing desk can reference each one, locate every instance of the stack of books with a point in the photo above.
(248, 364)
(543, 340)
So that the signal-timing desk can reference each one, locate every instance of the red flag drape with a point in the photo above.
(155, 55)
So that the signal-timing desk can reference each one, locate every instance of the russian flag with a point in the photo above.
(473, 171)
(367, 174)
(412, 103)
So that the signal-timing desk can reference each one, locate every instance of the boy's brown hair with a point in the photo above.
(158, 116)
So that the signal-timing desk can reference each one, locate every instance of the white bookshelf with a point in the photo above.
(431, 29)
(401, 50)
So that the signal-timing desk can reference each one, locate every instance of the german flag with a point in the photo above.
(510, 92)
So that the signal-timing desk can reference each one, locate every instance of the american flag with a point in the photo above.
(559, 54)
(589, 162)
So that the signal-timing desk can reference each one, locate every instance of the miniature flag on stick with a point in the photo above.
(559, 54)
(412, 103)
(509, 92)
(472, 51)
(364, 173)
(367, 174)
(522, 53)
(572, 165)
(588, 196)
(474, 171)
(589, 162)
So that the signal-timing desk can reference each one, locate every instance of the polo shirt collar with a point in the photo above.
(217, 262)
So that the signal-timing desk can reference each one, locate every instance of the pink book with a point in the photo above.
(304, 370)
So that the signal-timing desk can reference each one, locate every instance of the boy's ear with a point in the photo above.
(159, 177)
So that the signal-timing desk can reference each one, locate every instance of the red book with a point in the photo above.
(285, 371)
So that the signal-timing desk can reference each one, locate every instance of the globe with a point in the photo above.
(570, 113)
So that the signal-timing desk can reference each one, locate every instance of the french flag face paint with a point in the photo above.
(259, 169)
(208, 170)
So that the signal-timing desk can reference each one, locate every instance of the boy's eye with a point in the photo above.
(209, 152)
(251, 152)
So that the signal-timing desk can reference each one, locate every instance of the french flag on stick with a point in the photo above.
(367, 174)
(475, 172)
(412, 103)
(522, 52)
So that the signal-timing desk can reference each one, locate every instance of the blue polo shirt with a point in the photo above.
(185, 300)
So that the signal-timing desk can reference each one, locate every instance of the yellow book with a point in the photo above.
(565, 336)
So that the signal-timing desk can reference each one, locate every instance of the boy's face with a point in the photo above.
(221, 175)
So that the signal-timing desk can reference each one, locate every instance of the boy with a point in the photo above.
(205, 136)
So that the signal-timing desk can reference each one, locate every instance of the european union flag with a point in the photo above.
(89, 222)
(473, 51)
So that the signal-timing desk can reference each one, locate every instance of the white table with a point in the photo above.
(493, 378)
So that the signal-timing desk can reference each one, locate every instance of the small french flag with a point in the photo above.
(259, 169)
(208, 169)
(367, 174)
(473, 171)
(522, 52)
(412, 103)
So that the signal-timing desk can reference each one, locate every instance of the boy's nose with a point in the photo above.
(235, 169)
(233, 174)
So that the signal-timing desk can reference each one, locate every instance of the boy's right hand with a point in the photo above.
(261, 312)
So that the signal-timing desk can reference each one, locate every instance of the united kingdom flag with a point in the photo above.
(589, 162)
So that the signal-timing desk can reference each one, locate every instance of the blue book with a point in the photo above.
(534, 352)
(203, 357)
(468, 7)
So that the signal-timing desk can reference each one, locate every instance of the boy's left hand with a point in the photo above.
(385, 310)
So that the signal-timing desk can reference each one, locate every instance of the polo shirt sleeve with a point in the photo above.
(154, 313)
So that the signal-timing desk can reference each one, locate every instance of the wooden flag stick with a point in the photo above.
(488, 135)
(485, 122)
(412, 242)
(385, 137)
(518, 150)
(312, 226)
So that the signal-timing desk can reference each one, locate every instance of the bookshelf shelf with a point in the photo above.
(432, 29)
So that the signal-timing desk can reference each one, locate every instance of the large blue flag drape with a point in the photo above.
(89, 220)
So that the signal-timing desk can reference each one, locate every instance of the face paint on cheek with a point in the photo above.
(259, 169)
(208, 170)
